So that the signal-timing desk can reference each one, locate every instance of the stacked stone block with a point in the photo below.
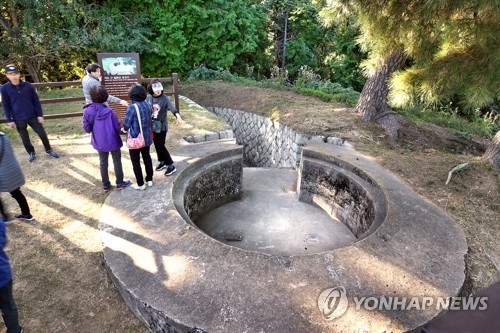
(266, 142)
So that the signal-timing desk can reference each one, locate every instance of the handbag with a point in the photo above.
(156, 126)
(136, 143)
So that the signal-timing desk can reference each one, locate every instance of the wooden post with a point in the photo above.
(175, 84)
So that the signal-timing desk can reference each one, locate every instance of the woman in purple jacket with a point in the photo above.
(101, 121)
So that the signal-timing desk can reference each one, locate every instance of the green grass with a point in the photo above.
(60, 92)
(478, 127)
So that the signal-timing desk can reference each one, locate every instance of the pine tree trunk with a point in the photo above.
(492, 154)
(372, 104)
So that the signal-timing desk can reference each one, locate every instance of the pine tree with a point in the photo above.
(447, 48)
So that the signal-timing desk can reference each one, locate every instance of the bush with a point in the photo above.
(206, 74)
(485, 126)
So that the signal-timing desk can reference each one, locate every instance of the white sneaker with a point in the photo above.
(140, 188)
(150, 183)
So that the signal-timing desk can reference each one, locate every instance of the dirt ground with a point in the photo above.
(60, 282)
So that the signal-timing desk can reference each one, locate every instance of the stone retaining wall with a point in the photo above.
(267, 143)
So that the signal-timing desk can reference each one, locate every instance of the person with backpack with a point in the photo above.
(100, 120)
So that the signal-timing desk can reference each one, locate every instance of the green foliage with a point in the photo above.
(311, 83)
(452, 45)
(209, 33)
(345, 56)
(485, 126)
(206, 74)
(45, 35)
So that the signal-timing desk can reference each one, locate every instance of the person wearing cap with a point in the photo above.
(22, 107)
(161, 104)
(92, 79)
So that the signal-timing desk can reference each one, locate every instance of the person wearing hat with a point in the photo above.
(22, 107)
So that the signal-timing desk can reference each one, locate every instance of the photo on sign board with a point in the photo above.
(119, 66)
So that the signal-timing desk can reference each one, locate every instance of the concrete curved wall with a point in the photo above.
(343, 191)
(178, 279)
(340, 189)
(209, 182)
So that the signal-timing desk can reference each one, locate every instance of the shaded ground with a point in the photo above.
(60, 282)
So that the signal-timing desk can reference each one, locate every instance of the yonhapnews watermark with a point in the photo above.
(333, 303)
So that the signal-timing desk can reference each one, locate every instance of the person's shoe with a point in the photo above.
(32, 157)
(26, 217)
(52, 153)
(140, 188)
(8, 221)
(106, 188)
(170, 170)
(121, 186)
(150, 183)
(161, 166)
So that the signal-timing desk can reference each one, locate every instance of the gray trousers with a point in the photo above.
(117, 163)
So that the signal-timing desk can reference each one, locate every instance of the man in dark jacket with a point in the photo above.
(22, 108)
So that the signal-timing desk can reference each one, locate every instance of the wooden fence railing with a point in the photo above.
(175, 92)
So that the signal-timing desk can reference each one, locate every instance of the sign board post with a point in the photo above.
(119, 72)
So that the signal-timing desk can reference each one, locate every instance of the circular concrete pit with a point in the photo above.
(268, 218)
(254, 275)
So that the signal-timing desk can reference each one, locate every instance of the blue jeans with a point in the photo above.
(22, 129)
(9, 309)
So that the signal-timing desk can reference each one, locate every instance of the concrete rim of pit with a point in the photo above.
(176, 278)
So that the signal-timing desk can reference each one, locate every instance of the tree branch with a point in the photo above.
(5, 25)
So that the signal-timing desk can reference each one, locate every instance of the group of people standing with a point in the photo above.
(148, 107)
(146, 115)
